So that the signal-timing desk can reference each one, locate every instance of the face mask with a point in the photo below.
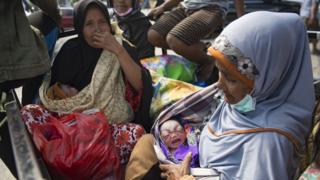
(123, 14)
(245, 105)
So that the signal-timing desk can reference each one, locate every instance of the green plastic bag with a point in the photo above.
(171, 66)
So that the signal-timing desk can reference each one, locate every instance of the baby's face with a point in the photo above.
(69, 90)
(172, 134)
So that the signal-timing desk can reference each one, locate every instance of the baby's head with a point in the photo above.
(68, 90)
(172, 133)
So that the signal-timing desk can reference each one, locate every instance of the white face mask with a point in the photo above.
(246, 104)
(124, 13)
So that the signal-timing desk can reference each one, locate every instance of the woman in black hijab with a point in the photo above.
(101, 75)
(135, 26)
(77, 59)
(75, 62)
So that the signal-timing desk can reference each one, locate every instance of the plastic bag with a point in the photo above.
(167, 91)
(79, 146)
(172, 66)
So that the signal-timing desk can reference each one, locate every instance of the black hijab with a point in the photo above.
(76, 61)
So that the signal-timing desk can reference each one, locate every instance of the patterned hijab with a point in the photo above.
(269, 52)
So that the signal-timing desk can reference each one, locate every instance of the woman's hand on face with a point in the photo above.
(107, 41)
(175, 171)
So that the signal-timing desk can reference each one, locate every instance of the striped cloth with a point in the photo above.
(196, 108)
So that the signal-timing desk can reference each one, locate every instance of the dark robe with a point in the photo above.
(135, 26)
(135, 29)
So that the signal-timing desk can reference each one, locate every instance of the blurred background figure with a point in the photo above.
(23, 50)
(309, 13)
(134, 26)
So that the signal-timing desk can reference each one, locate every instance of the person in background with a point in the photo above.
(50, 30)
(258, 129)
(182, 28)
(309, 13)
(23, 52)
(135, 26)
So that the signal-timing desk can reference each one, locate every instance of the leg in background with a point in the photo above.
(51, 31)
(159, 30)
(185, 38)
(156, 39)
(30, 89)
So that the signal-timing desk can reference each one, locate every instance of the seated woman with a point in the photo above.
(100, 74)
(258, 128)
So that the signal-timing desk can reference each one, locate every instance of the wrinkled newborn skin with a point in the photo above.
(68, 90)
(173, 134)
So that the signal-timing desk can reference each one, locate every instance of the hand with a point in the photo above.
(175, 171)
(107, 41)
(156, 12)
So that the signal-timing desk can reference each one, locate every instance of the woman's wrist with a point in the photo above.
(119, 50)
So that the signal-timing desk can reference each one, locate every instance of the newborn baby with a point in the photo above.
(173, 134)
(69, 91)
(61, 91)
(178, 140)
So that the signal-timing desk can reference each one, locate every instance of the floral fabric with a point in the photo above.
(311, 173)
(132, 96)
(244, 64)
(125, 136)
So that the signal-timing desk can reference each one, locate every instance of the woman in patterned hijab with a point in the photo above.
(258, 128)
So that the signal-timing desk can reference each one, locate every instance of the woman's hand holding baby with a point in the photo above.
(177, 171)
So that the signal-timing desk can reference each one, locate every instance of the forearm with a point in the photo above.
(239, 5)
(131, 70)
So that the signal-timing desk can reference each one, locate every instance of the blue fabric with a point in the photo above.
(51, 39)
(277, 44)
